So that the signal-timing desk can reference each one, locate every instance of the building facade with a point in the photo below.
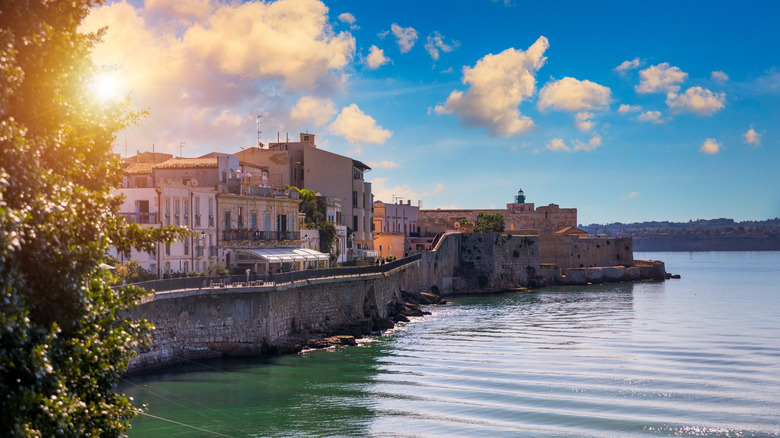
(327, 174)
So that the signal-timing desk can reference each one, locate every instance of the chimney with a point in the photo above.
(408, 202)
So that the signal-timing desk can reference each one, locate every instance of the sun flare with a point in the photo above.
(106, 87)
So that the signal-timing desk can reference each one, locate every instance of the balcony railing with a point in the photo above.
(140, 218)
(232, 235)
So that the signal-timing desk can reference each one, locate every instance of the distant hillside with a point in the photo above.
(700, 235)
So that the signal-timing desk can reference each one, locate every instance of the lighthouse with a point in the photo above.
(520, 197)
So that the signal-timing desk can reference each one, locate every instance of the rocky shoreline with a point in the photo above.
(348, 335)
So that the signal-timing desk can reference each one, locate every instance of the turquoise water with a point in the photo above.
(698, 356)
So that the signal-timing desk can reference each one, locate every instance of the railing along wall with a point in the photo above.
(190, 283)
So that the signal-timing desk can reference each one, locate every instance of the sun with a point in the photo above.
(106, 87)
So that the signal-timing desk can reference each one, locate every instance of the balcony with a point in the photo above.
(257, 236)
(140, 218)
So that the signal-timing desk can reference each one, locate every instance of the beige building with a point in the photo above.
(233, 220)
(326, 173)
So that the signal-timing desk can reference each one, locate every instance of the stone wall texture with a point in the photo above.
(572, 251)
(198, 324)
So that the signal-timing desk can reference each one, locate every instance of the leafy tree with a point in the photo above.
(63, 341)
(489, 223)
(327, 236)
(308, 206)
(131, 272)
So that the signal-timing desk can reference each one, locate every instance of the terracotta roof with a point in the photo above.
(571, 230)
(140, 168)
(187, 163)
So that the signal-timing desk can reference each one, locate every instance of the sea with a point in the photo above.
(693, 357)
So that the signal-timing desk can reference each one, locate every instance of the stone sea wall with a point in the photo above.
(198, 324)
(252, 320)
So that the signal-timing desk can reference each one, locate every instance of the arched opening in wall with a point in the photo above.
(227, 259)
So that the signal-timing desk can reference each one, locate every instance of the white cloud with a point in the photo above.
(287, 39)
(498, 85)
(696, 100)
(383, 164)
(661, 78)
(752, 137)
(570, 94)
(376, 58)
(346, 17)
(313, 110)
(710, 146)
(719, 76)
(184, 10)
(629, 108)
(592, 144)
(435, 43)
(632, 195)
(406, 37)
(583, 121)
(651, 117)
(206, 69)
(628, 65)
(358, 128)
(557, 144)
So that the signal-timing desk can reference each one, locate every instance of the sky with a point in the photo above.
(627, 111)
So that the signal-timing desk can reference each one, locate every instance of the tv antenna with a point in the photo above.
(259, 144)
(181, 146)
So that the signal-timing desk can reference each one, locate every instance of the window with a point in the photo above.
(176, 211)
(227, 219)
(167, 249)
(167, 211)
(354, 223)
(354, 199)
(167, 267)
(211, 212)
(254, 221)
(186, 247)
(267, 225)
(186, 212)
(186, 267)
(196, 210)
(240, 217)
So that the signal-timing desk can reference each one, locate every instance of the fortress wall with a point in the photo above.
(545, 220)
(572, 251)
(494, 262)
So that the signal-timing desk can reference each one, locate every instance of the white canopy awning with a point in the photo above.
(285, 255)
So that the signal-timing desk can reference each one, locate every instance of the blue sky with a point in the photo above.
(627, 111)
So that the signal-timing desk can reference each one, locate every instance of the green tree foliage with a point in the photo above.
(63, 341)
(131, 272)
(489, 223)
(308, 206)
(327, 236)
